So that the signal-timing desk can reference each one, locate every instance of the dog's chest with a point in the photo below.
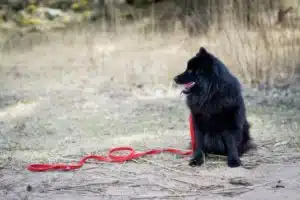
(214, 123)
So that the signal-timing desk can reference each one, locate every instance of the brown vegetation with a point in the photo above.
(259, 40)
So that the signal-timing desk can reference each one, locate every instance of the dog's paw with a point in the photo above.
(197, 159)
(195, 162)
(234, 162)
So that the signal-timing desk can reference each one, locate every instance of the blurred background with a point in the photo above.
(257, 39)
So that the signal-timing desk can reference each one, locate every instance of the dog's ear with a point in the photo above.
(202, 52)
(206, 57)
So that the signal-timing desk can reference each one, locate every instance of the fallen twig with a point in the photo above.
(168, 168)
(199, 186)
(170, 189)
(227, 191)
(113, 174)
(166, 196)
(84, 185)
(240, 181)
(246, 188)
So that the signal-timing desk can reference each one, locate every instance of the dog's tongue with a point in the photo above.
(189, 85)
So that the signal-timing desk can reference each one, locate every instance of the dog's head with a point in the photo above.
(199, 71)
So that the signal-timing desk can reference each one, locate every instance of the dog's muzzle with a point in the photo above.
(188, 87)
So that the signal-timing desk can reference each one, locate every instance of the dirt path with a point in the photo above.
(63, 125)
(55, 115)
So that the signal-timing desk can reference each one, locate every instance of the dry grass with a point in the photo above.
(130, 55)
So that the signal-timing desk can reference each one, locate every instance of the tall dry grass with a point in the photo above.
(152, 49)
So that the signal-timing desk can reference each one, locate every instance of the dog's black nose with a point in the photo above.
(176, 79)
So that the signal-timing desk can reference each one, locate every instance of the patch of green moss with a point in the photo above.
(31, 9)
(24, 20)
(66, 19)
(87, 14)
(80, 5)
(83, 2)
(31, 21)
(75, 6)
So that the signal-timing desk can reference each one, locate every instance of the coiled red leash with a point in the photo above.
(114, 158)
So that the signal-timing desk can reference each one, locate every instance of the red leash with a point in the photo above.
(114, 158)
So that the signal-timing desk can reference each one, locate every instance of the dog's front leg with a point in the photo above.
(233, 159)
(198, 155)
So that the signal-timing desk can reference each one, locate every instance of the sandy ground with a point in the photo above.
(57, 113)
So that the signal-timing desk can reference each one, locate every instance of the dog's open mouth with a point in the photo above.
(188, 87)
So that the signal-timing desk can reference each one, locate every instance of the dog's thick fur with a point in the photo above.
(217, 106)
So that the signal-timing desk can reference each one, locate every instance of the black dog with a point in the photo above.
(215, 100)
